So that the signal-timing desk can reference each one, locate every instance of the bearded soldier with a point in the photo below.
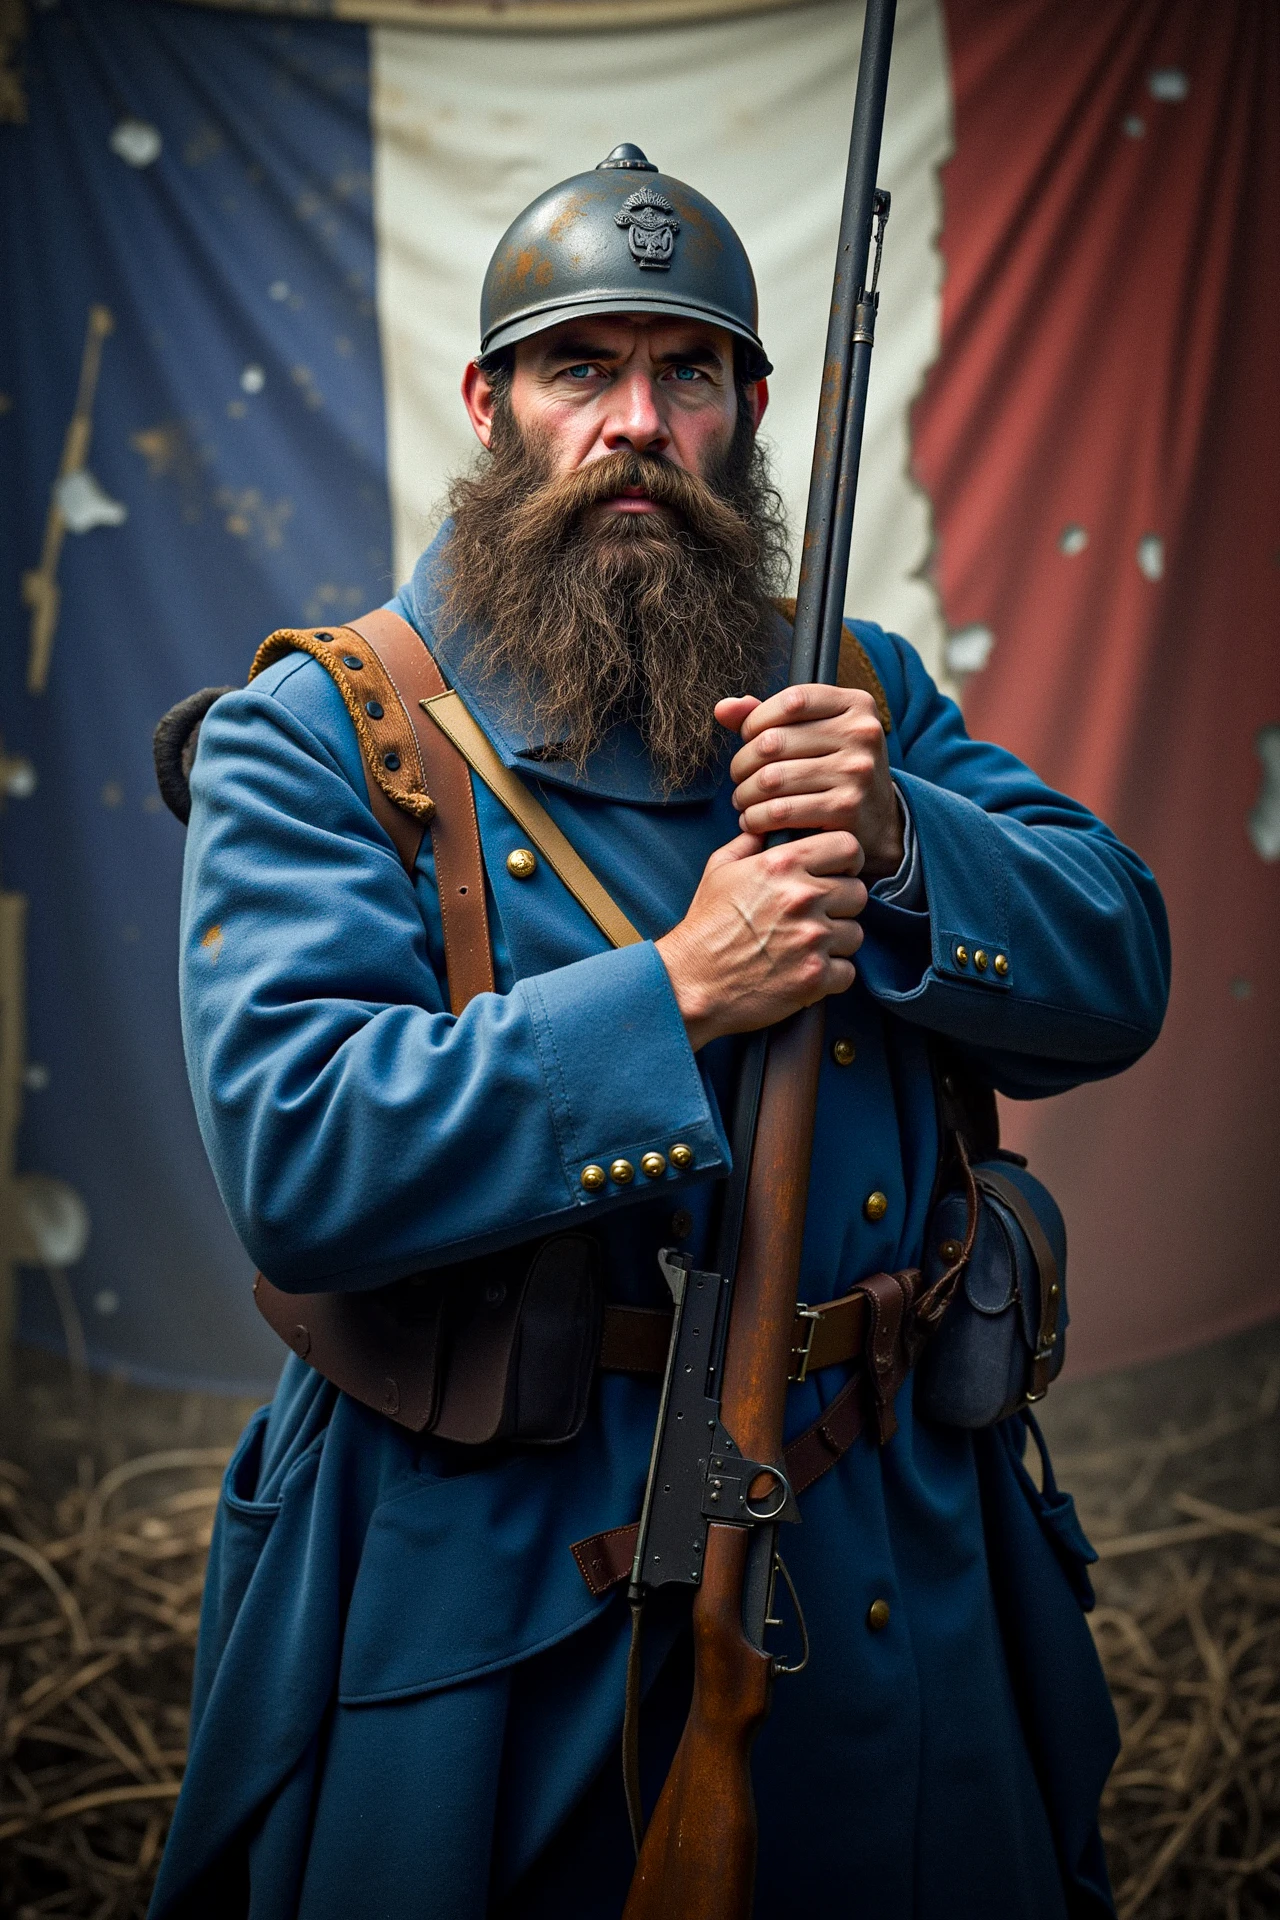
(409, 1690)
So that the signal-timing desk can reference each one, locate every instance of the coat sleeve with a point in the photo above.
(1069, 921)
(357, 1129)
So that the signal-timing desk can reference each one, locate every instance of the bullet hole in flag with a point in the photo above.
(136, 142)
(968, 649)
(1242, 989)
(252, 380)
(1150, 556)
(17, 776)
(107, 1302)
(84, 504)
(1264, 820)
(278, 290)
(1073, 540)
(1168, 83)
(1134, 125)
(35, 1076)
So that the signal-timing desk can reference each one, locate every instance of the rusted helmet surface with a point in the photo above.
(621, 239)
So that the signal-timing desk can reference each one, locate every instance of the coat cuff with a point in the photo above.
(621, 1078)
(962, 936)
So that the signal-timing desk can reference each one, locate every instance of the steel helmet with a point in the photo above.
(622, 239)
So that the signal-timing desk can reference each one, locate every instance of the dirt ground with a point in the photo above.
(108, 1493)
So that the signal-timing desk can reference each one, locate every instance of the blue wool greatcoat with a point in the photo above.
(407, 1703)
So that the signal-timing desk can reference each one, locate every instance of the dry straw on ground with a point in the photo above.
(101, 1558)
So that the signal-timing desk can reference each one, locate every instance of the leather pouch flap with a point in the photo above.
(994, 1272)
(383, 1348)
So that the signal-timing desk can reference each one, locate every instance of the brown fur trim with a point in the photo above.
(405, 786)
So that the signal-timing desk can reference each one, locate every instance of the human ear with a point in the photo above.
(758, 400)
(478, 399)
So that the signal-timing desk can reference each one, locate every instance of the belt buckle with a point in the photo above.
(800, 1354)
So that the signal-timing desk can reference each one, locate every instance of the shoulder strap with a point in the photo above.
(470, 740)
(383, 671)
(855, 668)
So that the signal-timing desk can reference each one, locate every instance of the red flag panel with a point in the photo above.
(1100, 438)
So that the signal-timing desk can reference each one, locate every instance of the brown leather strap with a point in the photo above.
(635, 1339)
(453, 719)
(383, 670)
(455, 832)
(888, 1297)
(1024, 1213)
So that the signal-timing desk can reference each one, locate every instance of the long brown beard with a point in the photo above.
(651, 617)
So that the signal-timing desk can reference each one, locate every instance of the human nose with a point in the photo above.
(635, 420)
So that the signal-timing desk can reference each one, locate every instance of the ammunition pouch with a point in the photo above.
(499, 1348)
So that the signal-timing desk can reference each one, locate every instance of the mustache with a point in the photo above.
(557, 504)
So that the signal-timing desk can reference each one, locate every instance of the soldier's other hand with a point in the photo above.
(768, 931)
(813, 758)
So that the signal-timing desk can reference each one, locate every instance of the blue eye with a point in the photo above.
(581, 371)
(687, 373)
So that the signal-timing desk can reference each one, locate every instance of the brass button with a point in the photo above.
(681, 1157)
(949, 1251)
(962, 956)
(681, 1223)
(875, 1206)
(522, 863)
(878, 1615)
(844, 1053)
(593, 1178)
(1001, 965)
(980, 960)
(653, 1165)
(622, 1172)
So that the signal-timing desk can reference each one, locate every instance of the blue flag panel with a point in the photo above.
(193, 446)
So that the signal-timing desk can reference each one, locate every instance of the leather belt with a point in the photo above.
(635, 1339)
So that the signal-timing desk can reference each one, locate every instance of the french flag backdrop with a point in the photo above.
(243, 252)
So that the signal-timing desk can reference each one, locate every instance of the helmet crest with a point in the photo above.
(652, 227)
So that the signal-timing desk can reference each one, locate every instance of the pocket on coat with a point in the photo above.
(240, 1532)
(467, 1574)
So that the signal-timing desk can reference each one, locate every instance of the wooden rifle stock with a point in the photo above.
(697, 1858)
(699, 1853)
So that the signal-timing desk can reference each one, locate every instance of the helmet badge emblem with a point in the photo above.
(651, 228)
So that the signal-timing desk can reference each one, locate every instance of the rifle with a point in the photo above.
(717, 1490)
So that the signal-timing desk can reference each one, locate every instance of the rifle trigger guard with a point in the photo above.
(726, 1489)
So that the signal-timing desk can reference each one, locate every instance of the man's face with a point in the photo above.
(614, 551)
(621, 383)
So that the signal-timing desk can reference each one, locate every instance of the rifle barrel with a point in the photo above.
(833, 482)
